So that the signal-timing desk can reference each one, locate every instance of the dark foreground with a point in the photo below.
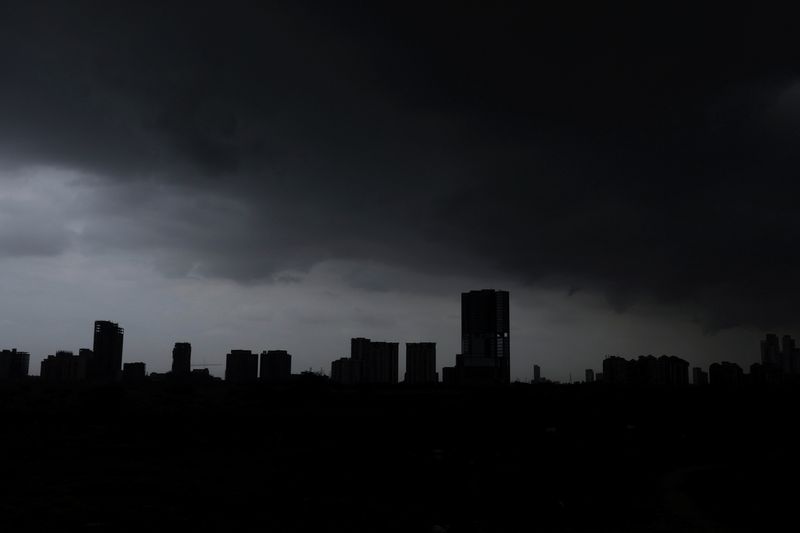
(525, 458)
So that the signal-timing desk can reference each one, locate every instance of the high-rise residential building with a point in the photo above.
(346, 371)
(485, 339)
(699, 376)
(771, 352)
(85, 359)
(63, 366)
(133, 372)
(646, 370)
(589, 375)
(485, 324)
(182, 359)
(725, 374)
(421, 363)
(276, 366)
(106, 363)
(790, 356)
(241, 366)
(378, 361)
(14, 364)
(779, 358)
(537, 374)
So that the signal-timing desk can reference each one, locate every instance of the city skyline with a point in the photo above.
(483, 359)
(407, 266)
(252, 173)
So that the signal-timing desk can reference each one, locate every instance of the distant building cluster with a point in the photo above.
(646, 370)
(780, 363)
(102, 362)
(242, 366)
(484, 360)
(370, 363)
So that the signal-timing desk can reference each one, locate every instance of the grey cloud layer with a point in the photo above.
(595, 151)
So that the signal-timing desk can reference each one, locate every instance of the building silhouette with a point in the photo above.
(14, 364)
(345, 371)
(85, 358)
(421, 363)
(615, 370)
(779, 359)
(378, 361)
(276, 366)
(589, 375)
(537, 373)
(182, 359)
(646, 370)
(105, 363)
(699, 376)
(133, 372)
(63, 366)
(485, 339)
(725, 374)
(241, 366)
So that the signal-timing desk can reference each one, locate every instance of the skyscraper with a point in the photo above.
(485, 339)
(421, 363)
(106, 362)
(485, 324)
(182, 359)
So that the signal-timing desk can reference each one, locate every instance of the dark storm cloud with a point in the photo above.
(642, 152)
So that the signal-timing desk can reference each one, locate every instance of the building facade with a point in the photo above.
(241, 366)
(378, 361)
(421, 363)
(106, 362)
(182, 359)
(276, 366)
(485, 339)
(14, 364)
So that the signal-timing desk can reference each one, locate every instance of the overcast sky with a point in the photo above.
(289, 175)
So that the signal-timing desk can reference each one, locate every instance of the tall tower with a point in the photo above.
(107, 358)
(182, 359)
(485, 333)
